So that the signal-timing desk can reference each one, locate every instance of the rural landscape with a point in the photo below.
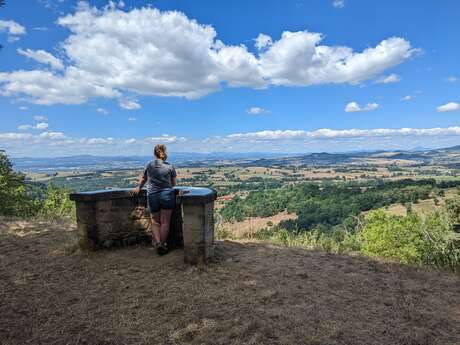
(229, 172)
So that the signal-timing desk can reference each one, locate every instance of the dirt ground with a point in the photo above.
(52, 293)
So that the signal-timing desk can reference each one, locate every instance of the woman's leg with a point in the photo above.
(165, 219)
(155, 228)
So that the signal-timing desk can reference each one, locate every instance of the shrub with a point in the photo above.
(427, 240)
(57, 204)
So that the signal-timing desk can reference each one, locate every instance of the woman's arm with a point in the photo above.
(142, 180)
(173, 181)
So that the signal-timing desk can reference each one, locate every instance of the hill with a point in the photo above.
(445, 156)
(51, 293)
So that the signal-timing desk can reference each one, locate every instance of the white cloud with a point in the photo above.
(389, 79)
(12, 28)
(407, 98)
(132, 119)
(102, 111)
(326, 133)
(41, 28)
(257, 110)
(263, 41)
(165, 138)
(43, 57)
(40, 118)
(129, 104)
(14, 136)
(354, 107)
(114, 53)
(325, 139)
(452, 106)
(22, 107)
(42, 126)
(451, 79)
(339, 3)
(52, 135)
(25, 127)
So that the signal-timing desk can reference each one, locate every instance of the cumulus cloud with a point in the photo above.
(389, 79)
(52, 135)
(14, 136)
(451, 79)
(165, 138)
(102, 111)
(12, 28)
(43, 57)
(257, 110)
(25, 127)
(325, 139)
(452, 106)
(132, 119)
(326, 133)
(40, 118)
(339, 3)
(40, 126)
(113, 53)
(407, 98)
(354, 107)
(129, 104)
(263, 41)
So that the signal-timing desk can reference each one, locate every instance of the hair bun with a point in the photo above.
(160, 151)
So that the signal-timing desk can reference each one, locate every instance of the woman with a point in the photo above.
(160, 178)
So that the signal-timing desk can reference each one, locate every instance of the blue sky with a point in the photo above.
(109, 78)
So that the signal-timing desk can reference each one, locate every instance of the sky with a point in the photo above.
(116, 77)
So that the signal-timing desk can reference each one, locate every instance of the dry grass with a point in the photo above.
(252, 225)
(51, 293)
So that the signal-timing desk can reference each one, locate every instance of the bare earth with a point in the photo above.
(51, 293)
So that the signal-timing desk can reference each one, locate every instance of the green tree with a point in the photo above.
(57, 203)
(14, 200)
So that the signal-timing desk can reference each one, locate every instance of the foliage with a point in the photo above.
(14, 200)
(326, 204)
(413, 239)
(21, 199)
(427, 240)
(57, 204)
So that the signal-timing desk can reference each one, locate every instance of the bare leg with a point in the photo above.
(155, 227)
(165, 219)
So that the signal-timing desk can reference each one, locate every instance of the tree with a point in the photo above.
(14, 200)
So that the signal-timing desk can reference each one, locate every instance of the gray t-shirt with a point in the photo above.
(158, 175)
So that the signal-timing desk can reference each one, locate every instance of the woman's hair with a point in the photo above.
(160, 151)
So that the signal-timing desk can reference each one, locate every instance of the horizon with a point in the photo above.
(112, 78)
(253, 155)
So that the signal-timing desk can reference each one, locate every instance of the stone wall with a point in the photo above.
(113, 218)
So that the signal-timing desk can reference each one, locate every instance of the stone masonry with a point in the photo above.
(114, 218)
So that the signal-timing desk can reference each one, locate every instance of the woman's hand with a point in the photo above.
(136, 191)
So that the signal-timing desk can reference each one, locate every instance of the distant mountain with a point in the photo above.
(88, 162)
(449, 156)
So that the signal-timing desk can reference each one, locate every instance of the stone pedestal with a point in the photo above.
(113, 218)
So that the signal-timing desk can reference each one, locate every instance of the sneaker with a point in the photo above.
(162, 250)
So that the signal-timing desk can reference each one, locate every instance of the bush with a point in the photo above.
(428, 240)
(57, 204)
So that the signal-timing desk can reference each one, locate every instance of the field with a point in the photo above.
(239, 179)
(253, 293)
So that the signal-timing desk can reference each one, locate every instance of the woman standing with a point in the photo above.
(160, 177)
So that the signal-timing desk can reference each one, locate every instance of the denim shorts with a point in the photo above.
(163, 199)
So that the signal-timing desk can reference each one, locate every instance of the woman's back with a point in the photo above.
(159, 175)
